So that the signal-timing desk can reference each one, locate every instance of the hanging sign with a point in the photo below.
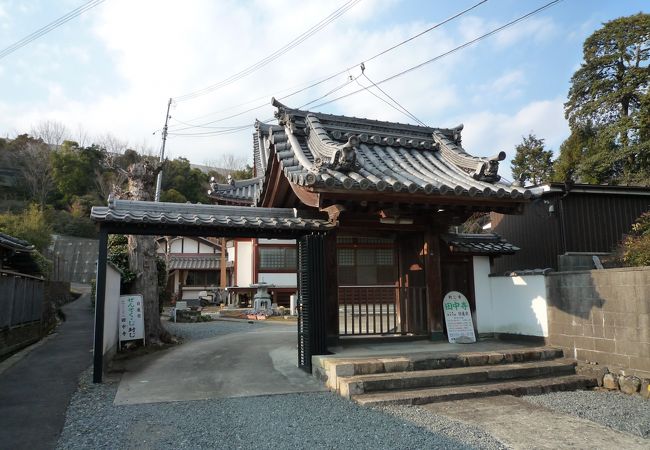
(131, 323)
(458, 318)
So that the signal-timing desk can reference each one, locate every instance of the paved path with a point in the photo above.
(244, 364)
(522, 425)
(36, 390)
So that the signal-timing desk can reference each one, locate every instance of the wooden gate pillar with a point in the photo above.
(312, 299)
(434, 284)
(100, 291)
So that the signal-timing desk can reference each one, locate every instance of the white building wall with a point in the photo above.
(276, 241)
(176, 246)
(111, 311)
(519, 305)
(230, 246)
(278, 279)
(244, 269)
(204, 248)
(483, 294)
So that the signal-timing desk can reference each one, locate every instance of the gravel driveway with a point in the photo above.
(306, 420)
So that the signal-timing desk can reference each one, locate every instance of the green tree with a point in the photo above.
(243, 173)
(609, 92)
(30, 225)
(532, 162)
(190, 183)
(172, 196)
(74, 169)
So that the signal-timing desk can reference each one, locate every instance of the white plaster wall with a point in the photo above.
(483, 294)
(230, 246)
(111, 311)
(176, 246)
(276, 241)
(204, 248)
(244, 269)
(519, 305)
(278, 279)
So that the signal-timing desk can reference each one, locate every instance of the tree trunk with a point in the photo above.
(142, 261)
(142, 254)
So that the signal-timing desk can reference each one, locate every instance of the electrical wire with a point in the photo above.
(317, 82)
(449, 52)
(273, 56)
(436, 58)
(49, 27)
(398, 108)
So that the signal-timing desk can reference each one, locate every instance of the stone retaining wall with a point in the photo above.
(602, 317)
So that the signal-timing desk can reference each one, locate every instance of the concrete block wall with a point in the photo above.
(602, 316)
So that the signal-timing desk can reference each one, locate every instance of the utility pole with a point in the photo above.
(162, 152)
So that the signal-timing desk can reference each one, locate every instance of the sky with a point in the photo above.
(113, 69)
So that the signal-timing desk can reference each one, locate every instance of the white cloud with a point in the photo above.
(486, 132)
(535, 29)
(161, 48)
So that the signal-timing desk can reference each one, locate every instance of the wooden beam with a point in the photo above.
(433, 275)
(306, 196)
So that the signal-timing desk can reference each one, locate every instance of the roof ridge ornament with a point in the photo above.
(480, 168)
(329, 153)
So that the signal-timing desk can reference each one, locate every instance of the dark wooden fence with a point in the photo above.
(21, 299)
(380, 310)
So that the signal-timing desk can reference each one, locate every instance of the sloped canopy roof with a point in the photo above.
(194, 262)
(15, 244)
(478, 244)
(167, 218)
(328, 153)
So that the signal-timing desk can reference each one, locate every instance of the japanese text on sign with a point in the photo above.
(458, 318)
(131, 323)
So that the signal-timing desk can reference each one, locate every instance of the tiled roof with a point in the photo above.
(127, 211)
(479, 244)
(237, 191)
(193, 262)
(328, 152)
(15, 244)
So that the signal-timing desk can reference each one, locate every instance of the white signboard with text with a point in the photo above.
(458, 318)
(131, 321)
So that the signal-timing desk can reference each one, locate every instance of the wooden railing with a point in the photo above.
(382, 310)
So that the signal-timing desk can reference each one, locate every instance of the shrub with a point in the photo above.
(635, 248)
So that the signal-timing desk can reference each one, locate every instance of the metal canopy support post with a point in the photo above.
(100, 295)
(312, 319)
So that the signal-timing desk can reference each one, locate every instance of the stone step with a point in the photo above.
(360, 384)
(329, 369)
(450, 393)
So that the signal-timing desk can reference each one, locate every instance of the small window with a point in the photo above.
(277, 258)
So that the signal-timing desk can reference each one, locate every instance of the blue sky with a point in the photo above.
(111, 70)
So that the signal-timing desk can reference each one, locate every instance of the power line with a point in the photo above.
(447, 53)
(347, 69)
(273, 56)
(49, 27)
(419, 66)
(399, 108)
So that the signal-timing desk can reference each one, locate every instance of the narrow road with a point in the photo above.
(35, 392)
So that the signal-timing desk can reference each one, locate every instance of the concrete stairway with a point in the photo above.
(428, 378)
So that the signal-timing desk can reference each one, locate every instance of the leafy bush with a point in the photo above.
(118, 255)
(635, 248)
(72, 224)
(30, 225)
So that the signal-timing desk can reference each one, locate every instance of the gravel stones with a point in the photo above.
(474, 436)
(314, 420)
(616, 410)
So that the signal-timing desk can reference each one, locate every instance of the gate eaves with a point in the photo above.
(183, 219)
